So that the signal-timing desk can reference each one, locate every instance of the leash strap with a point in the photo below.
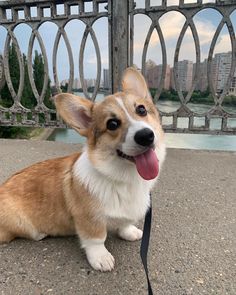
(145, 243)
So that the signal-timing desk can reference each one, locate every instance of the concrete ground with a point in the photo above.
(193, 240)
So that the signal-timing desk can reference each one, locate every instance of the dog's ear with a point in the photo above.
(133, 81)
(75, 111)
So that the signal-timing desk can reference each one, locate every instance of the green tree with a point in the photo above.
(64, 88)
(38, 70)
(206, 92)
(27, 99)
(165, 94)
(5, 95)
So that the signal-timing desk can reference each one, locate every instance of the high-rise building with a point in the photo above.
(106, 83)
(172, 81)
(202, 82)
(232, 89)
(76, 84)
(221, 66)
(151, 76)
(167, 78)
(154, 74)
(89, 82)
(185, 74)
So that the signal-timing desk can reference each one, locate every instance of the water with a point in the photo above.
(186, 141)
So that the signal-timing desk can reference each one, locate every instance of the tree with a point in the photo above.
(27, 99)
(38, 70)
(5, 95)
(64, 88)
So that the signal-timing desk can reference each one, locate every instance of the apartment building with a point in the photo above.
(221, 65)
(202, 82)
(106, 83)
(184, 75)
(154, 74)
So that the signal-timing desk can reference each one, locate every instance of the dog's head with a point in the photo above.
(124, 134)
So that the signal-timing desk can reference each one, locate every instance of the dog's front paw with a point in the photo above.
(130, 233)
(100, 258)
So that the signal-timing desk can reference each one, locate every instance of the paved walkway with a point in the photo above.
(193, 241)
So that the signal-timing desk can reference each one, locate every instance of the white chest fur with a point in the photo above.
(120, 199)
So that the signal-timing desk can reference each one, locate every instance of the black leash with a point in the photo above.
(145, 243)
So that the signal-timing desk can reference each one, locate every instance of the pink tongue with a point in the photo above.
(147, 164)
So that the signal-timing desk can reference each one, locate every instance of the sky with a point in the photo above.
(171, 23)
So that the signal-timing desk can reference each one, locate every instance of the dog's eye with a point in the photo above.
(113, 124)
(141, 110)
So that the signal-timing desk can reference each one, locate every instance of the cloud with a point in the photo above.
(223, 44)
(171, 25)
(93, 60)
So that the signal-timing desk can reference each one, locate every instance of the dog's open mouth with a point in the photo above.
(146, 163)
(122, 155)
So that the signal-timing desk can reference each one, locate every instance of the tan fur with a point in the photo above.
(44, 199)
(48, 199)
(84, 209)
(97, 146)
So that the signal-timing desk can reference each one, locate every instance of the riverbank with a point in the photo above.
(29, 133)
(41, 133)
(173, 140)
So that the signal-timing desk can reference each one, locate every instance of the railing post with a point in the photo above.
(119, 45)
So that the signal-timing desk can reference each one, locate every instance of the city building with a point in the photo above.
(184, 70)
(172, 80)
(185, 74)
(221, 65)
(167, 78)
(76, 84)
(202, 82)
(154, 74)
(89, 82)
(232, 89)
(106, 83)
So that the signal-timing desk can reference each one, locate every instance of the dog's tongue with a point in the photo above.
(147, 164)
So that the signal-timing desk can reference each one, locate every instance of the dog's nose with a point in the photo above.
(144, 137)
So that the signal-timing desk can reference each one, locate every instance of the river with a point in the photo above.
(186, 141)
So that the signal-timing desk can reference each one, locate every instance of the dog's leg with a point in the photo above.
(97, 254)
(92, 236)
(130, 233)
(22, 227)
(5, 237)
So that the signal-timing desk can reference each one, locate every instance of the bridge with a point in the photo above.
(194, 229)
(120, 26)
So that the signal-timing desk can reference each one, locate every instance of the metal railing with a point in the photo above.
(120, 16)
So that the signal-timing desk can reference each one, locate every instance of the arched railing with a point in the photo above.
(120, 28)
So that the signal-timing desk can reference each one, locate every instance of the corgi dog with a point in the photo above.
(104, 187)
